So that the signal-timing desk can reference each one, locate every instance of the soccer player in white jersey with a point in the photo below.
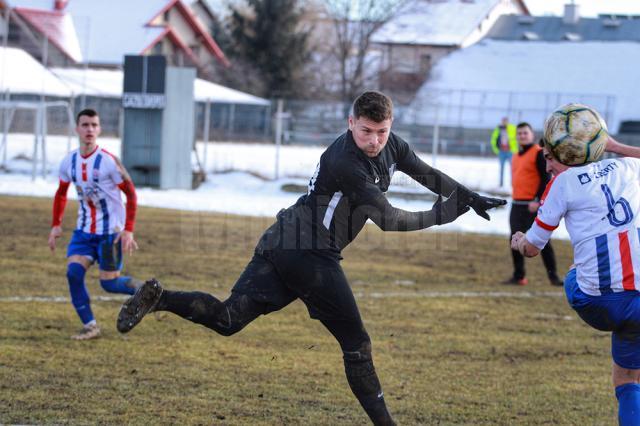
(600, 204)
(105, 227)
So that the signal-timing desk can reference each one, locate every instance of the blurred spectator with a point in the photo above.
(504, 144)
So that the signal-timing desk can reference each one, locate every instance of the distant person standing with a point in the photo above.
(504, 144)
(529, 180)
(105, 226)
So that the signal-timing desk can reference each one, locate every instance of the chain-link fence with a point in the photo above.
(455, 121)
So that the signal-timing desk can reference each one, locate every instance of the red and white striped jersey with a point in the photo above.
(96, 178)
(600, 203)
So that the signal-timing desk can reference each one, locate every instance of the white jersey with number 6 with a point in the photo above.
(600, 203)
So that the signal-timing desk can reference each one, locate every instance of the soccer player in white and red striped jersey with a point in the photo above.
(105, 226)
(600, 204)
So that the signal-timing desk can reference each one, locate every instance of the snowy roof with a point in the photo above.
(108, 83)
(58, 27)
(493, 77)
(206, 90)
(429, 22)
(109, 30)
(20, 73)
(551, 28)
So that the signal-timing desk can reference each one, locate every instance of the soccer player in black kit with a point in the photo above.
(299, 255)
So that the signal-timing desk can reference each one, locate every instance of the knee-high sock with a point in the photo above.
(628, 404)
(226, 318)
(124, 285)
(78, 291)
(359, 369)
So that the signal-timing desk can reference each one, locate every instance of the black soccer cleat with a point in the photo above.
(137, 306)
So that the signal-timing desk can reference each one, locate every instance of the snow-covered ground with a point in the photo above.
(233, 185)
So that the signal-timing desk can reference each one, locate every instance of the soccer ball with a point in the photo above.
(575, 134)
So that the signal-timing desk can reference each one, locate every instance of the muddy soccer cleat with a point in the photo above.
(137, 306)
(88, 332)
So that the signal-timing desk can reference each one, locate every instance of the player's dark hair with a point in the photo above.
(523, 125)
(374, 106)
(88, 112)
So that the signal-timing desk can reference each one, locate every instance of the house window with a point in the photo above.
(166, 16)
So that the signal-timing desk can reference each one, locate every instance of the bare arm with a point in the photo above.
(622, 149)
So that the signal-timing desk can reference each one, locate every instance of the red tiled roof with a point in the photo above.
(208, 41)
(173, 36)
(52, 24)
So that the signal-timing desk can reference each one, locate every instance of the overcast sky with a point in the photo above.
(587, 7)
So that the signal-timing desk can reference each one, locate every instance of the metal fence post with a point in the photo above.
(205, 133)
(436, 136)
(278, 137)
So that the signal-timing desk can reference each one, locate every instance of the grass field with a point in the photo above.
(441, 360)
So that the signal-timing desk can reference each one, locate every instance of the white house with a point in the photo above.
(424, 31)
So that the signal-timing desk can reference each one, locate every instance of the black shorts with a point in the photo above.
(278, 277)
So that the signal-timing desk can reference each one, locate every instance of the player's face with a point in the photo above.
(525, 136)
(88, 130)
(553, 166)
(370, 136)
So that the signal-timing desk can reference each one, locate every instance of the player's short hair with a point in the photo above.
(88, 112)
(373, 105)
(523, 125)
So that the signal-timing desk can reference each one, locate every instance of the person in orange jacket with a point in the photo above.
(529, 180)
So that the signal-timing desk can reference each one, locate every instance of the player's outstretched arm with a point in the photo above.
(390, 218)
(622, 149)
(442, 184)
(59, 204)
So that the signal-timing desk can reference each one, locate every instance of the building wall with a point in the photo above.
(20, 38)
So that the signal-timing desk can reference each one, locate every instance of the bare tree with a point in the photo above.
(355, 21)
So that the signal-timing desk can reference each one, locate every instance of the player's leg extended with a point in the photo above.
(358, 366)
(258, 291)
(322, 285)
(77, 266)
(620, 313)
(625, 349)
(81, 253)
(516, 224)
(110, 259)
(626, 382)
(549, 261)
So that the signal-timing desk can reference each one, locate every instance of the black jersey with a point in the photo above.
(348, 188)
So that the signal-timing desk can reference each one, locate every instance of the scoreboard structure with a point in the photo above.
(158, 132)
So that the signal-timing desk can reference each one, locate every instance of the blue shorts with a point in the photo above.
(100, 248)
(615, 312)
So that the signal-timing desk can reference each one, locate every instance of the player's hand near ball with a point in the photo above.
(621, 149)
(56, 232)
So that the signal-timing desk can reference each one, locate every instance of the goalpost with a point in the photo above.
(39, 108)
